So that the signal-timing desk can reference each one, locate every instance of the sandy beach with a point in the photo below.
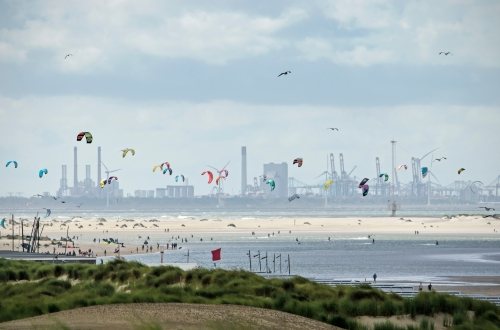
(134, 232)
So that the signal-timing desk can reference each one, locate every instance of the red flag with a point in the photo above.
(216, 254)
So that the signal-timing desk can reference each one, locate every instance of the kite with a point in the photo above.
(126, 151)
(486, 208)
(210, 176)
(284, 73)
(67, 55)
(218, 179)
(440, 159)
(112, 177)
(294, 196)
(298, 161)
(403, 166)
(333, 128)
(271, 184)
(179, 176)
(167, 169)
(327, 184)
(87, 136)
(364, 189)
(461, 170)
(425, 170)
(385, 176)
(2, 223)
(11, 162)
(48, 212)
(445, 53)
(224, 173)
(167, 164)
(42, 172)
(155, 167)
(103, 183)
(362, 183)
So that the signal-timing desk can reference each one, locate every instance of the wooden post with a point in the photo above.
(188, 257)
(38, 243)
(267, 265)
(280, 263)
(289, 271)
(250, 259)
(66, 246)
(260, 263)
(161, 257)
(274, 262)
(22, 234)
(12, 232)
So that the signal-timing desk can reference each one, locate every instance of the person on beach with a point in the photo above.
(375, 277)
(430, 286)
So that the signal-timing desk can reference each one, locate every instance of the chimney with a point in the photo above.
(75, 170)
(99, 165)
(243, 170)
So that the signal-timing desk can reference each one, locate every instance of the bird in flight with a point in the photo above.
(440, 159)
(284, 73)
(333, 128)
(486, 208)
(67, 55)
(445, 53)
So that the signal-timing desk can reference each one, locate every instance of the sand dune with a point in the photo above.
(167, 316)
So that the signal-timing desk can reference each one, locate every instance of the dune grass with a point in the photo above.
(30, 289)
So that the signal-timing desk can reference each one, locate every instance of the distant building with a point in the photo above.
(144, 193)
(279, 173)
(186, 191)
(161, 192)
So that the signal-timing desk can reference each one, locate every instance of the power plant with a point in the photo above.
(87, 187)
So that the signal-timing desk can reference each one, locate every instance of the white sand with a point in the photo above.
(88, 228)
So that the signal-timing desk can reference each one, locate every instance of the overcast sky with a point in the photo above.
(191, 82)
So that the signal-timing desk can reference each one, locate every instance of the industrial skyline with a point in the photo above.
(343, 189)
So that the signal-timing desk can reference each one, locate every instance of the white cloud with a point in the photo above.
(415, 31)
(318, 48)
(365, 14)
(92, 29)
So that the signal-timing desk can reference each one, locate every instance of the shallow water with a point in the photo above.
(347, 257)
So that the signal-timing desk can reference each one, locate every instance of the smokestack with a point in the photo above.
(75, 170)
(243, 170)
(98, 165)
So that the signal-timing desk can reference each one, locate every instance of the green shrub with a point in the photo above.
(58, 271)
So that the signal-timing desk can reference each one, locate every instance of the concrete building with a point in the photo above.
(279, 173)
(144, 193)
(186, 191)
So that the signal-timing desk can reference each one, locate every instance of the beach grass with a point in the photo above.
(30, 289)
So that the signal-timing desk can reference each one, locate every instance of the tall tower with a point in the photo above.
(243, 170)
(98, 165)
(394, 182)
(75, 171)
(63, 185)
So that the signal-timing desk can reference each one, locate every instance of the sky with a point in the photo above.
(192, 82)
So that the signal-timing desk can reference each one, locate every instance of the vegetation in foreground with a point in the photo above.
(30, 289)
